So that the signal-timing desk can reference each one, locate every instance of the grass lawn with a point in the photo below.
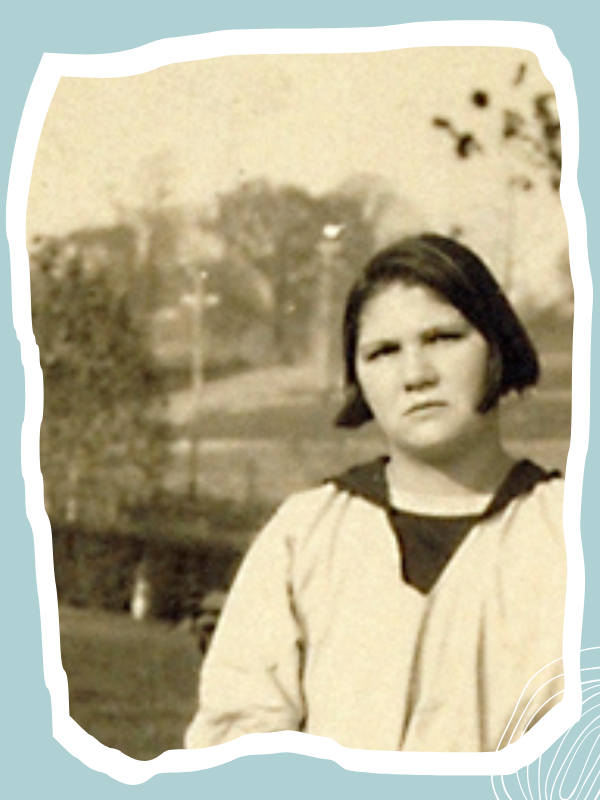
(132, 685)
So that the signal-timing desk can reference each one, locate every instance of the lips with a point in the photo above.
(424, 407)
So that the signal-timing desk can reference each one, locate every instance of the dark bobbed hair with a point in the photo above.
(460, 277)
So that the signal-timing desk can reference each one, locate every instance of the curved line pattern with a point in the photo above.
(570, 768)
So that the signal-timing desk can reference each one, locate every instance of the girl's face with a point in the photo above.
(423, 371)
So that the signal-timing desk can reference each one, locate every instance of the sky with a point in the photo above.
(200, 128)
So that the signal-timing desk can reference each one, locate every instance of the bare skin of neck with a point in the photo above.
(476, 466)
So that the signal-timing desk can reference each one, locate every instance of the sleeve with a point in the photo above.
(250, 680)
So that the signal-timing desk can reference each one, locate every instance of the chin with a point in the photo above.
(434, 449)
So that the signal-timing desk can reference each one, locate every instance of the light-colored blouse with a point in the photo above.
(322, 633)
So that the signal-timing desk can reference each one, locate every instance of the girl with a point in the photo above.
(405, 604)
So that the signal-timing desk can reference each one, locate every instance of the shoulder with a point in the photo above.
(315, 515)
(273, 550)
(541, 485)
(300, 512)
(307, 504)
(365, 481)
(526, 481)
(538, 513)
(549, 496)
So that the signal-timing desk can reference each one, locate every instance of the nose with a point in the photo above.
(419, 371)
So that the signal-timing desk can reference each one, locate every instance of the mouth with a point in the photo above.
(426, 407)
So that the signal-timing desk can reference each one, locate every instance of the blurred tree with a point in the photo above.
(277, 230)
(156, 275)
(384, 216)
(272, 230)
(153, 275)
(98, 385)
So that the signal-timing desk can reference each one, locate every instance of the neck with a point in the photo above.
(479, 468)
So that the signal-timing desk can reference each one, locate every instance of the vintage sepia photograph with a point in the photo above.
(305, 324)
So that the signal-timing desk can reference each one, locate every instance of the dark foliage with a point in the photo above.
(536, 134)
(98, 569)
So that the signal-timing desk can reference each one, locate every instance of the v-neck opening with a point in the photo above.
(428, 542)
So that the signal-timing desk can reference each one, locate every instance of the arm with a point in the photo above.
(250, 681)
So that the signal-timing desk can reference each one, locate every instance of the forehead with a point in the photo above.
(399, 306)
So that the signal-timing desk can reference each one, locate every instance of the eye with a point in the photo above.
(444, 335)
(381, 351)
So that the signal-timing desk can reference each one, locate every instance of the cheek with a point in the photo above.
(380, 391)
(375, 377)
(480, 373)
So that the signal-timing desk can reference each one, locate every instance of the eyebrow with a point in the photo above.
(446, 326)
(456, 326)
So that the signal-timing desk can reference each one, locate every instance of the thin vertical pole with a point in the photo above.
(329, 247)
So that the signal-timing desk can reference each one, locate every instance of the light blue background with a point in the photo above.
(33, 764)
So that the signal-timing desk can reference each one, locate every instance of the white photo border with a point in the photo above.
(528, 36)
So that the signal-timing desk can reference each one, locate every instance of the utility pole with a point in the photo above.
(197, 343)
(196, 301)
(514, 185)
(329, 247)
